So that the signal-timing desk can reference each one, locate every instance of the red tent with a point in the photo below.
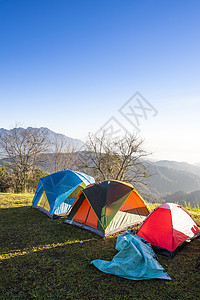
(168, 227)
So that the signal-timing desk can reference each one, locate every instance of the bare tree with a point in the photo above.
(121, 159)
(63, 155)
(22, 149)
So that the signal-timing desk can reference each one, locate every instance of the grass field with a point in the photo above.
(42, 258)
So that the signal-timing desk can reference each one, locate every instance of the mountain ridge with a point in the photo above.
(52, 136)
(192, 199)
(182, 166)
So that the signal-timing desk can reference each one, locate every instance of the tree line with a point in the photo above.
(28, 154)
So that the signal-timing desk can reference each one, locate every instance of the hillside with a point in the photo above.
(41, 258)
(169, 180)
(192, 199)
(181, 166)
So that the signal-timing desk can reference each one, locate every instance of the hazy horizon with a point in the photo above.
(152, 156)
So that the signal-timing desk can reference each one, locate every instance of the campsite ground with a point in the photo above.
(42, 258)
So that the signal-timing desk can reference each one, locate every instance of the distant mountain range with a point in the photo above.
(61, 137)
(181, 166)
(52, 136)
(192, 199)
(171, 181)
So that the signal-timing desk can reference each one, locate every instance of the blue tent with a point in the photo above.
(56, 192)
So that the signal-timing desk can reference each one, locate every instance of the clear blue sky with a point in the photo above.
(70, 65)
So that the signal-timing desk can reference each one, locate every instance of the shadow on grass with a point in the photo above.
(64, 269)
(64, 272)
(27, 228)
(41, 256)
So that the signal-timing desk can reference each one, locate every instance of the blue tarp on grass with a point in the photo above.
(135, 260)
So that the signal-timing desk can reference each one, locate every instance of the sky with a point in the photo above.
(76, 66)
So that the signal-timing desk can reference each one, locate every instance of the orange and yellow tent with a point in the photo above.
(108, 207)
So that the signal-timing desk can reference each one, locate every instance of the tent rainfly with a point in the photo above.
(108, 207)
(168, 228)
(56, 192)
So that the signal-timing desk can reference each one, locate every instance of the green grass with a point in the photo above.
(42, 258)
